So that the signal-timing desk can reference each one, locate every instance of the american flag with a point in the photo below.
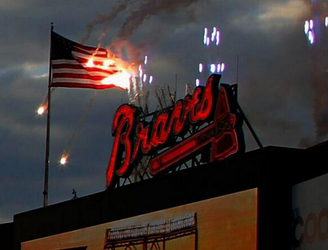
(78, 66)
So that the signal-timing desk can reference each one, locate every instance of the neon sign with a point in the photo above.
(211, 107)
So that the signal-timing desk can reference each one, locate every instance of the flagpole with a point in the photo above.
(47, 153)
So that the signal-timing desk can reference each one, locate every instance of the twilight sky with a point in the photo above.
(282, 79)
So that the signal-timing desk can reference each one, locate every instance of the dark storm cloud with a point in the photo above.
(25, 27)
(273, 69)
(21, 136)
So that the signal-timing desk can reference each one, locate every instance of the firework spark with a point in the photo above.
(64, 159)
(42, 109)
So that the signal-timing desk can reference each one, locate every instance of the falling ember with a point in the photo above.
(63, 159)
(42, 109)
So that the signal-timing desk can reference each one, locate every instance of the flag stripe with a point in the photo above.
(66, 66)
(85, 85)
(89, 53)
(78, 68)
(82, 71)
(90, 49)
(79, 80)
(89, 56)
(82, 76)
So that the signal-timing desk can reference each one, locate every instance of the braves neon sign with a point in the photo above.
(212, 104)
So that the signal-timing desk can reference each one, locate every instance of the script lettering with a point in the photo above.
(134, 137)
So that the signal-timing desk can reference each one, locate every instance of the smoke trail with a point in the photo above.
(148, 9)
(43, 108)
(79, 124)
(144, 10)
(108, 19)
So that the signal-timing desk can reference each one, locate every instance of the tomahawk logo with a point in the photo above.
(168, 139)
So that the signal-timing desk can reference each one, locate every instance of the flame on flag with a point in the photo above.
(78, 66)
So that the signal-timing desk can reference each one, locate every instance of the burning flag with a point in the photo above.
(78, 66)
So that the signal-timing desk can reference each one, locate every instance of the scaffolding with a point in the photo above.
(152, 236)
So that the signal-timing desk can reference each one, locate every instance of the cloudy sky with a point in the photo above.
(281, 77)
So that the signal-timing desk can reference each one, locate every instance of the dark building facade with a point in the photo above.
(253, 201)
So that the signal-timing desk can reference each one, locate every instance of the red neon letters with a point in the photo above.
(134, 137)
(122, 127)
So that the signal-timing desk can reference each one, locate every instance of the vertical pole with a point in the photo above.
(47, 161)
(249, 126)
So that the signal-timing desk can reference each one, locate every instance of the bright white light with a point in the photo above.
(222, 67)
(63, 159)
(326, 21)
(107, 63)
(311, 24)
(200, 68)
(311, 37)
(205, 36)
(217, 38)
(146, 60)
(213, 34)
(214, 30)
(306, 27)
(150, 79)
(205, 32)
(212, 68)
(144, 79)
(197, 82)
(140, 72)
(218, 68)
(121, 80)
(90, 63)
(207, 41)
(41, 110)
